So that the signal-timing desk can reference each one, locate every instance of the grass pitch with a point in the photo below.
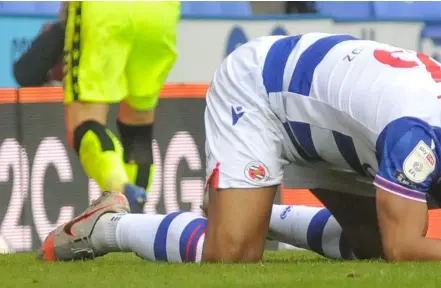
(280, 269)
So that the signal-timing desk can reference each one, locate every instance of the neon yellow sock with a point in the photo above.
(102, 164)
(139, 176)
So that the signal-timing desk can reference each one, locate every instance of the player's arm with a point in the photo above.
(408, 166)
(403, 225)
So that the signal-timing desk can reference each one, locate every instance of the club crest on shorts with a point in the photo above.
(256, 171)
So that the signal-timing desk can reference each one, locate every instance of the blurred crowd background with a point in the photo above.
(45, 58)
(338, 9)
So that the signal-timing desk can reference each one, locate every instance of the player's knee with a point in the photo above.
(132, 116)
(232, 248)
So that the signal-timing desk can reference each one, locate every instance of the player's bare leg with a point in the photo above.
(96, 56)
(136, 131)
(99, 150)
(237, 224)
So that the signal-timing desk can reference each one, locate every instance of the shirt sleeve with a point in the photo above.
(406, 149)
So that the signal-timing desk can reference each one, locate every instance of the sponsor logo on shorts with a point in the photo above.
(420, 163)
(285, 212)
(256, 171)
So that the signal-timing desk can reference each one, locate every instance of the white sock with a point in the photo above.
(176, 237)
(179, 236)
(310, 228)
(103, 237)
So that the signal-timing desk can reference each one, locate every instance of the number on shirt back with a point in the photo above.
(395, 59)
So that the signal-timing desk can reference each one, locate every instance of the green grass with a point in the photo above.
(280, 269)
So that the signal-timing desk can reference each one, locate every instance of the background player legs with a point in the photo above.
(136, 131)
(96, 53)
(151, 57)
(99, 150)
(87, 135)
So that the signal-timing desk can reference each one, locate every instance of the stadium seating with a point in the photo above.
(189, 8)
(408, 9)
(336, 9)
(380, 9)
(47, 7)
(216, 8)
(43, 8)
(345, 9)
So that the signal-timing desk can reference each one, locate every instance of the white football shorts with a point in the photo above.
(245, 142)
